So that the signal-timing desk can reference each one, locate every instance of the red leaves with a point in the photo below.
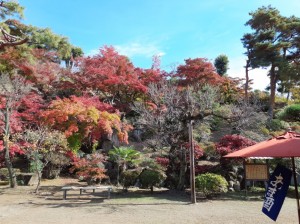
(14, 149)
(231, 143)
(198, 151)
(108, 72)
(197, 71)
(24, 111)
(115, 76)
(30, 108)
(89, 167)
(164, 162)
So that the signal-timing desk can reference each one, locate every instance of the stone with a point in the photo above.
(237, 186)
(230, 183)
(231, 189)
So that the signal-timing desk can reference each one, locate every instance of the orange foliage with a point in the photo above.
(79, 115)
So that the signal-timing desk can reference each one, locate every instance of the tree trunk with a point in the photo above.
(9, 166)
(118, 174)
(247, 80)
(288, 95)
(39, 181)
(182, 171)
(8, 163)
(273, 80)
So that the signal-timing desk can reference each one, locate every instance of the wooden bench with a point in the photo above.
(81, 189)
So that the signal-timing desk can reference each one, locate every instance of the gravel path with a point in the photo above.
(20, 206)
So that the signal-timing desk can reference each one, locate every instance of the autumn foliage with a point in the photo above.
(110, 73)
(90, 167)
(231, 143)
(84, 116)
(198, 151)
(198, 71)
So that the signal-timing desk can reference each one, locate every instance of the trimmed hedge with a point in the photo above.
(150, 178)
(210, 183)
(129, 177)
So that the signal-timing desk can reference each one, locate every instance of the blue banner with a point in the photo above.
(278, 186)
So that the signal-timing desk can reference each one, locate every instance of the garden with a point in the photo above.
(73, 120)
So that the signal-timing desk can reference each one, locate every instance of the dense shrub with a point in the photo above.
(151, 164)
(89, 168)
(231, 143)
(4, 173)
(276, 125)
(150, 178)
(164, 162)
(209, 151)
(210, 184)
(56, 161)
(200, 169)
(290, 113)
(129, 177)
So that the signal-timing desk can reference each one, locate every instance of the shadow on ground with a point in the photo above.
(51, 196)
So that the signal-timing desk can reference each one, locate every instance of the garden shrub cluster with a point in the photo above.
(151, 178)
(210, 184)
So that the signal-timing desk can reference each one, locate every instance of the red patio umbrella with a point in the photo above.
(284, 146)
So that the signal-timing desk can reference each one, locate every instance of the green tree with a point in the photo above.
(123, 156)
(7, 26)
(273, 43)
(221, 64)
(10, 8)
(44, 38)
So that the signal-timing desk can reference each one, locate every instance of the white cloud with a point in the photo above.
(259, 76)
(139, 49)
(92, 52)
(133, 49)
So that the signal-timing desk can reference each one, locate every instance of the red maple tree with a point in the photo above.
(197, 71)
(86, 116)
(231, 143)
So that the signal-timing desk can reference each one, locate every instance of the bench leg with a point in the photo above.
(108, 196)
(80, 191)
(65, 195)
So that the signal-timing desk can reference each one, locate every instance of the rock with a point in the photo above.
(232, 175)
(237, 186)
(240, 178)
(230, 189)
(230, 183)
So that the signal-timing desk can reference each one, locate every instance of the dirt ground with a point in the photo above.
(18, 206)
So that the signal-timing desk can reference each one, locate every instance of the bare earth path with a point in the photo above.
(20, 206)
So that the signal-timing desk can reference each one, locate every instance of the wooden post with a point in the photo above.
(246, 193)
(192, 163)
(296, 187)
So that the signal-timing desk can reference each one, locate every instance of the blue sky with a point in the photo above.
(174, 29)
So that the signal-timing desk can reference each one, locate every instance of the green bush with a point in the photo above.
(150, 178)
(276, 125)
(4, 173)
(210, 184)
(129, 177)
(290, 113)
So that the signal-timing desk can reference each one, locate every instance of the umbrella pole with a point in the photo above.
(296, 187)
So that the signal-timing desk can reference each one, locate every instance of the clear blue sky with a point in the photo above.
(174, 29)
